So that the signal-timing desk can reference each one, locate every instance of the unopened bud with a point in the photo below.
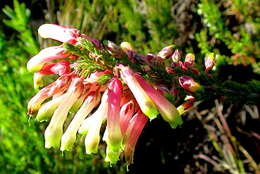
(166, 52)
(189, 59)
(176, 56)
(113, 49)
(189, 84)
(209, 62)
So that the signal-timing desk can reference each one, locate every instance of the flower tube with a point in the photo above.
(133, 132)
(114, 135)
(59, 33)
(167, 110)
(126, 113)
(145, 102)
(69, 137)
(54, 131)
(59, 86)
(48, 54)
(96, 119)
(47, 109)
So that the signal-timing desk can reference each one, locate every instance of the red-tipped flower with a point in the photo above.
(48, 54)
(59, 33)
(60, 68)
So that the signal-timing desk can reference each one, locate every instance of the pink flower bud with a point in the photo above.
(209, 62)
(166, 52)
(176, 56)
(189, 59)
(46, 55)
(60, 68)
(189, 84)
(185, 107)
(59, 33)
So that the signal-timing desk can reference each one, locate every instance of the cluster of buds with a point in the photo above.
(111, 96)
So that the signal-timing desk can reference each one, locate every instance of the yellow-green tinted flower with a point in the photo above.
(54, 131)
(167, 110)
(47, 109)
(145, 102)
(93, 134)
(69, 137)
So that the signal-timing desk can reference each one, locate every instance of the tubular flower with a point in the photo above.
(48, 54)
(59, 86)
(69, 137)
(54, 131)
(167, 110)
(145, 102)
(189, 84)
(209, 62)
(96, 119)
(114, 136)
(133, 132)
(59, 33)
(126, 113)
(47, 109)
(166, 52)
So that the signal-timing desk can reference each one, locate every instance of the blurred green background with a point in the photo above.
(229, 28)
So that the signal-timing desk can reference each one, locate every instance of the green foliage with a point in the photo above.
(19, 18)
(235, 29)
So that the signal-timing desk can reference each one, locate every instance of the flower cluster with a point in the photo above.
(100, 91)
